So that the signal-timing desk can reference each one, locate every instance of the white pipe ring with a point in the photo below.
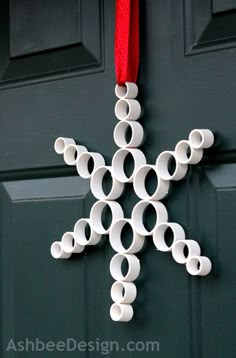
(159, 235)
(130, 90)
(119, 160)
(82, 163)
(123, 292)
(138, 212)
(127, 109)
(120, 131)
(96, 215)
(116, 267)
(186, 154)
(97, 188)
(57, 251)
(163, 170)
(201, 138)
(198, 265)
(178, 250)
(61, 143)
(72, 153)
(140, 184)
(121, 312)
(116, 240)
(80, 233)
(69, 243)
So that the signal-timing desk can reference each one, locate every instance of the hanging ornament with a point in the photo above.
(186, 152)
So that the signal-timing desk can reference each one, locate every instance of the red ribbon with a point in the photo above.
(127, 41)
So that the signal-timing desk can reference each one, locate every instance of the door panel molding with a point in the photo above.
(205, 29)
(36, 59)
(30, 278)
(212, 299)
(219, 6)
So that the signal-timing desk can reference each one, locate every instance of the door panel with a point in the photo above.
(37, 301)
(41, 38)
(29, 33)
(64, 86)
(216, 299)
(219, 6)
(55, 106)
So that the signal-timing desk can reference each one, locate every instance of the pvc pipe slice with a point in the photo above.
(96, 184)
(186, 154)
(162, 166)
(61, 143)
(133, 267)
(138, 212)
(130, 90)
(119, 160)
(127, 109)
(201, 138)
(116, 241)
(123, 292)
(57, 251)
(178, 250)
(140, 184)
(159, 235)
(120, 131)
(69, 244)
(198, 265)
(82, 163)
(72, 153)
(80, 233)
(121, 312)
(96, 215)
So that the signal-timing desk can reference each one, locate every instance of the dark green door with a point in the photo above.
(57, 79)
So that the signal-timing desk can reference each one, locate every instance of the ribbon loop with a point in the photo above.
(127, 41)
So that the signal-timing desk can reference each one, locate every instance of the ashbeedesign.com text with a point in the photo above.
(71, 344)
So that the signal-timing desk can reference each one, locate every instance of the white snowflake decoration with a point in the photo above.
(123, 290)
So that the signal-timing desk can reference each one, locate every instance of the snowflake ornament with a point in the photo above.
(123, 290)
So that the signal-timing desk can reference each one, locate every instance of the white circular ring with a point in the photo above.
(80, 236)
(96, 215)
(133, 267)
(137, 134)
(181, 152)
(82, 163)
(121, 312)
(69, 243)
(127, 109)
(123, 292)
(178, 250)
(96, 184)
(118, 163)
(140, 185)
(61, 143)
(72, 153)
(198, 265)
(162, 166)
(159, 235)
(130, 90)
(57, 251)
(115, 238)
(201, 138)
(138, 211)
